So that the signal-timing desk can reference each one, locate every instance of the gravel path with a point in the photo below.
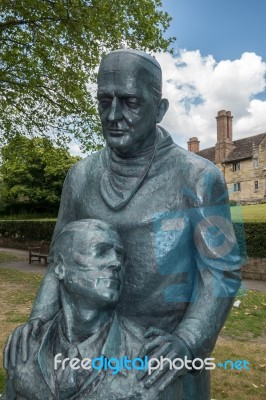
(22, 265)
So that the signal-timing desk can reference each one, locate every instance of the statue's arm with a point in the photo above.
(218, 275)
(10, 393)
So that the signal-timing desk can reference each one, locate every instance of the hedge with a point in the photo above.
(255, 236)
(27, 230)
(251, 240)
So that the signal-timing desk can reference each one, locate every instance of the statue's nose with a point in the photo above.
(116, 110)
(115, 266)
(114, 261)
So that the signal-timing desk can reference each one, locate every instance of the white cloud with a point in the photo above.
(74, 149)
(197, 87)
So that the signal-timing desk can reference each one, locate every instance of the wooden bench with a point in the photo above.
(39, 253)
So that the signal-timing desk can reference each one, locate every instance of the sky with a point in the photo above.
(219, 63)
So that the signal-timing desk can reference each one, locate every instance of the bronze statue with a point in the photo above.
(171, 209)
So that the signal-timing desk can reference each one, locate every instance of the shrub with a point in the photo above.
(256, 239)
(233, 203)
(27, 230)
(251, 238)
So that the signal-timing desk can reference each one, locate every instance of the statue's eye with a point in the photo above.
(105, 102)
(132, 102)
(102, 249)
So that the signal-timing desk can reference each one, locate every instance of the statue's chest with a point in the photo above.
(158, 195)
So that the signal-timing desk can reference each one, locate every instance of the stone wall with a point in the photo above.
(255, 269)
(247, 175)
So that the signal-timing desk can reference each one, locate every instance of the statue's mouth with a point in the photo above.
(117, 132)
(112, 282)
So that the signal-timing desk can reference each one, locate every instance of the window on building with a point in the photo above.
(237, 187)
(255, 162)
(236, 166)
(256, 185)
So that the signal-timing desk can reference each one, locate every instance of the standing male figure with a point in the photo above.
(171, 209)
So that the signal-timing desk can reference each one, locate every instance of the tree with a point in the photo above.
(32, 174)
(49, 53)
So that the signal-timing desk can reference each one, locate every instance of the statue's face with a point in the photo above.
(126, 105)
(95, 268)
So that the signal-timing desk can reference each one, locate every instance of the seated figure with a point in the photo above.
(90, 268)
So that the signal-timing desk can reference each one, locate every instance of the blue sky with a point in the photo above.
(224, 29)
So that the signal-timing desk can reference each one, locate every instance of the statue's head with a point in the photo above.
(130, 99)
(90, 262)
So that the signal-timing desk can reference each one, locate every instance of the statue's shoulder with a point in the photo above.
(86, 165)
(134, 330)
(203, 182)
(194, 164)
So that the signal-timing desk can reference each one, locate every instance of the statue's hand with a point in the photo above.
(162, 344)
(19, 339)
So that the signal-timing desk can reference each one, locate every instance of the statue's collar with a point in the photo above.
(124, 175)
(114, 346)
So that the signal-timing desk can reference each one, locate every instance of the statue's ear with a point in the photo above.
(162, 108)
(59, 270)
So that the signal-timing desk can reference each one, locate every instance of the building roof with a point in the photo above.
(208, 153)
(243, 148)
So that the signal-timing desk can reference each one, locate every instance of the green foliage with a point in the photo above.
(232, 203)
(31, 216)
(49, 53)
(32, 174)
(27, 230)
(251, 238)
(255, 238)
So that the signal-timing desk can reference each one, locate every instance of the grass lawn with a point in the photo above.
(251, 213)
(243, 337)
(7, 257)
(248, 321)
(17, 292)
(244, 384)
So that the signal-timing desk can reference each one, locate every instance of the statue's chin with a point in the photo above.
(119, 143)
(109, 299)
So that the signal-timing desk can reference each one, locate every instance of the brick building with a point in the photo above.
(242, 161)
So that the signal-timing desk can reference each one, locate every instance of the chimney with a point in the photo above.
(224, 126)
(224, 135)
(229, 126)
(193, 144)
